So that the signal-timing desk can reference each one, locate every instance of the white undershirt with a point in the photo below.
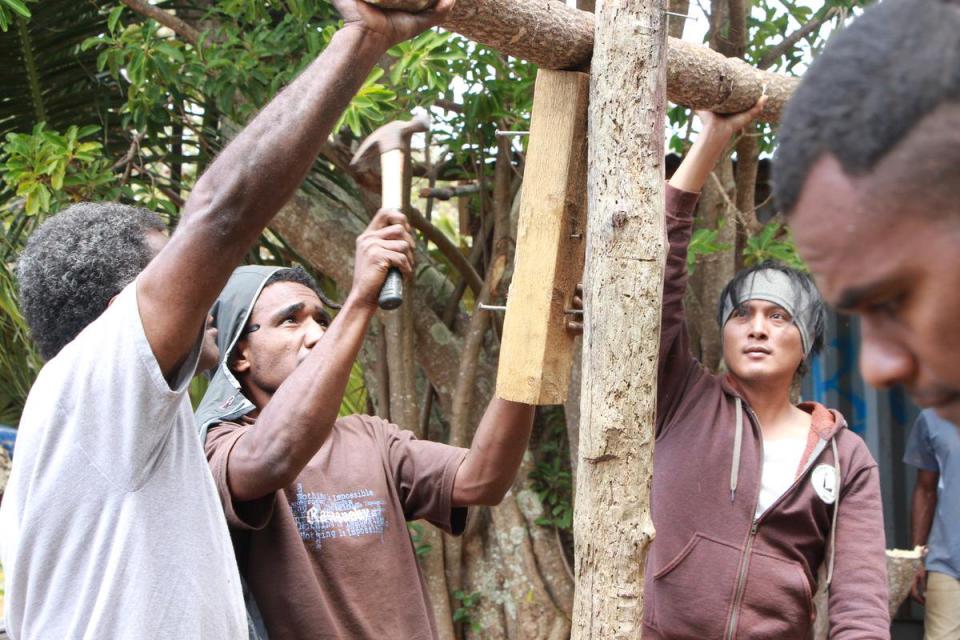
(780, 461)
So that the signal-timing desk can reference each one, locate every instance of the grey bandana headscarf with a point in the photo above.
(224, 400)
(772, 285)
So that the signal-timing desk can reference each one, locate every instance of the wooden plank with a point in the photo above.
(536, 351)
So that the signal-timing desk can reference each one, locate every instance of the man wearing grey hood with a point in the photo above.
(751, 493)
(318, 505)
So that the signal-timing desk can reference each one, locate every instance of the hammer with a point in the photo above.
(392, 142)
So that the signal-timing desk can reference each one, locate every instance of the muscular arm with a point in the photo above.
(256, 174)
(498, 446)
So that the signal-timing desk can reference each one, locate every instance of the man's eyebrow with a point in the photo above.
(852, 298)
(289, 310)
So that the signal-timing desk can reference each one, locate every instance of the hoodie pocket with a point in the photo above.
(777, 600)
(694, 590)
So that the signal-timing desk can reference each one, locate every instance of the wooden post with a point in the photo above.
(623, 286)
(536, 352)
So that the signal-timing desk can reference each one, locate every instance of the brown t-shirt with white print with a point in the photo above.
(330, 556)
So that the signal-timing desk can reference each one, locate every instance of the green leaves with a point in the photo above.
(423, 63)
(464, 612)
(49, 170)
(10, 9)
(355, 397)
(551, 477)
(369, 107)
(772, 243)
(703, 242)
(417, 534)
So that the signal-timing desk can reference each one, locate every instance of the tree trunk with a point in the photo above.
(623, 286)
(555, 36)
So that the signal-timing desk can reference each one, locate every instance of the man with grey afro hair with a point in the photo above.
(75, 262)
(746, 484)
(111, 524)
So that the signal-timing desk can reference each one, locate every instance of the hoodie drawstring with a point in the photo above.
(836, 509)
(735, 474)
(737, 446)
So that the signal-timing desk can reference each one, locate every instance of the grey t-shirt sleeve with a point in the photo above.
(115, 397)
(919, 453)
(424, 473)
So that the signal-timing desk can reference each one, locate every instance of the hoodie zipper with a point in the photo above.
(731, 631)
(741, 582)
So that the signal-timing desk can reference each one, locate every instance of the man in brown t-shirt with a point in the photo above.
(319, 504)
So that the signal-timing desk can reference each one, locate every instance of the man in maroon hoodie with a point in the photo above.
(751, 493)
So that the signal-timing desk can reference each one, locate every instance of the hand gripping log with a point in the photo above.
(392, 142)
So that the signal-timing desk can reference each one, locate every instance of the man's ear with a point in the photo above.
(239, 361)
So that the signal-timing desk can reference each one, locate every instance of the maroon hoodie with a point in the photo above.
(714, 571)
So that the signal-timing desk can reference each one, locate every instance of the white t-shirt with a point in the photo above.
(111, 526)
(781, 458)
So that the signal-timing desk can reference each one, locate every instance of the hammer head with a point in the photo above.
(393, 135)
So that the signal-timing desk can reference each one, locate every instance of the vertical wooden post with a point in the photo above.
(536, 351)
(623, 286)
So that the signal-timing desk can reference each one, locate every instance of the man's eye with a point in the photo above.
(289, 320)
(889, 307)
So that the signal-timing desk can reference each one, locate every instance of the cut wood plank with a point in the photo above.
(536, 351)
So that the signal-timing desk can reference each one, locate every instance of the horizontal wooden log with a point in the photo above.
(554, 36)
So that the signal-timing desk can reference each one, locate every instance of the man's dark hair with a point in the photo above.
(75, 262)
(734, 289)
(299, 275)
(875, 81)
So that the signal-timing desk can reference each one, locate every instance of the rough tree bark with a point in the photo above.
(623, 286)
(555, 36)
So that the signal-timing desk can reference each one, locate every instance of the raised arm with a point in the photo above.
(256, 174)
(675, 362)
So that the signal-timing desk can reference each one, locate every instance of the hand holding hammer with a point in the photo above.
(392, 142)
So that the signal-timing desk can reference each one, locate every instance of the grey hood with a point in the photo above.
(224, 399)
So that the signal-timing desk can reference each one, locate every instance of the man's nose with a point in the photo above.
(315, 331)
(884, 362)
(758, 325)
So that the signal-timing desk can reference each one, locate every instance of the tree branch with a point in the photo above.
(555, 36)
(773, 54)
(447, 248)
(172, 22)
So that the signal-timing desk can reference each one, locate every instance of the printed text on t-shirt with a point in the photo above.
(320, 516)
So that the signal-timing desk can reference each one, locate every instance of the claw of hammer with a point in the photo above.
(393, 135)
